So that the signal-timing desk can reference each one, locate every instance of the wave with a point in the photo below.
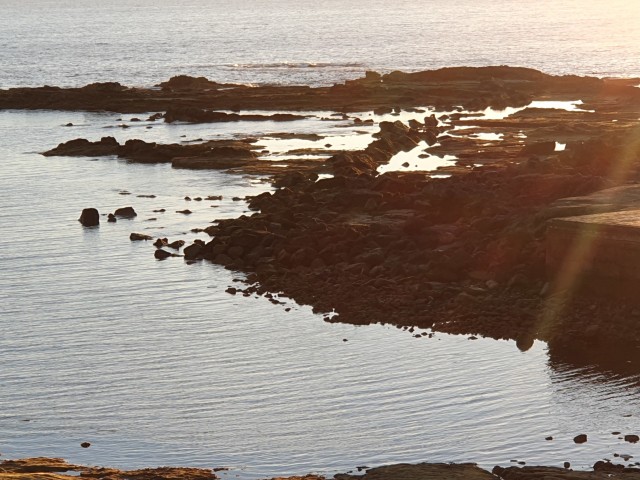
(292, 65)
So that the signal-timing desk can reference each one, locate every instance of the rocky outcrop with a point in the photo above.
(58, 469)
(464, 254)
(150, 152)
(83, 147)
(199, 115)
(217, 158)
(422, 471)
(446, 89)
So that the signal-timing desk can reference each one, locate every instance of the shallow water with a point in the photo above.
(154, 364)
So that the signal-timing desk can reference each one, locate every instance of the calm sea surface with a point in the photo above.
(152, 362)
(137, 42)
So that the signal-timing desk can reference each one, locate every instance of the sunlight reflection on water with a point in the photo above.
(153, 363)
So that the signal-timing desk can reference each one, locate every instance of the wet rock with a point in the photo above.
(199, 115)
(161, 242)
(136, 237)
(186, 211)
(431, 121)
(631, 438)
(111, 218)
(162, 254)
(538, 148)
(217, 158)
(85, 444)
(125, 212)
(176, 244)
(193, 251)
(89, 217)
(83, 147)
(582, 438)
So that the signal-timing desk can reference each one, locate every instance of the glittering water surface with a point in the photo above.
(152, 362)
(66, 42)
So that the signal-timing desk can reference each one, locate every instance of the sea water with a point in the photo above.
(152, 362)
(136, 42)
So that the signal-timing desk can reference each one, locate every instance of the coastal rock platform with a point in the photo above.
(41, 468)
(462, 249)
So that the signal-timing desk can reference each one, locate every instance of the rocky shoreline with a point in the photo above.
(464, 254)
(58, 469)
(460, 250)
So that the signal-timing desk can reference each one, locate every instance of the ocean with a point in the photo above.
(71, 42)
(152, 362)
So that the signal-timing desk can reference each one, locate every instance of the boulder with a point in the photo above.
(162, 254)
(176, 244)
(582, 438)
(89, 217)
(192, 251)
(125, 212)
(136, 237)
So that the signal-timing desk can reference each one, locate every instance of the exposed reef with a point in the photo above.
(57, 469)
(473, 88)
(463, 254)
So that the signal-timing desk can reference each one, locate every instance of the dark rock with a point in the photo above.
(85, 444)
(602, 466)
(111, 218)
(176, 244)
(193, 251)
(223, 259)
(125, 212)
(538, 148)
(160, 242)
(631, 438)
(162, 254)
(431, 121)
(582, 438)
(83, 147)
(135, 237)
(199, 115)
(89, 217)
